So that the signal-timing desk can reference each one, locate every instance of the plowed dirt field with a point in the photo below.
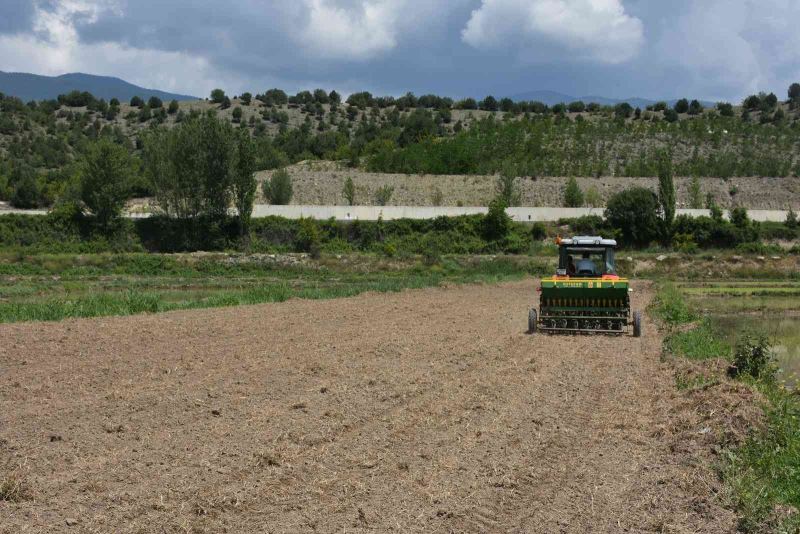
(422, 411)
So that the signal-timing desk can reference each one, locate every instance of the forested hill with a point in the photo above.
(41, 142)
(29, 87)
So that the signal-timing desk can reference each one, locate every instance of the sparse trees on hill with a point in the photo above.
(489, 104)
(217, 96)
(577, 106)
(275, 97)
(725, 109)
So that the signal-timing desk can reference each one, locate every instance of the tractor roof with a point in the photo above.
(585, 240)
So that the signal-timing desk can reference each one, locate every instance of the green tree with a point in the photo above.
(26, 193)
(105, 176)
(791, 219)
(137, 102)
(573, 196)
(695, 194)
(681, 106)
(496, 223)
(190, 166)
(489, 103)
(154, 102)
(237, 114)
(634, 212)
(246, 98)
(243, 182)
(794, 92)
(217, 96)
(695, 107)
(725, 109)
(666, 197)
(349, 191)
(173, 107)
(278, 190)
(507, 186)
(713, 208)
(670, 115)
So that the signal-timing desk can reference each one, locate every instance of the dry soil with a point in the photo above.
(423, 411)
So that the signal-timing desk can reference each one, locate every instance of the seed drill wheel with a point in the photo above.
(533, 321)
(637, 324)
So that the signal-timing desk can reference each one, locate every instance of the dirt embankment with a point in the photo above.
(423, 411)
(321, 183)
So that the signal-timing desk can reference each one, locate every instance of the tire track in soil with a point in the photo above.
(423, 411)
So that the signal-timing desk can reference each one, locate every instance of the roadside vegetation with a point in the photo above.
(762, 473)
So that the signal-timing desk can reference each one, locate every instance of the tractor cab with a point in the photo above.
(586, 257)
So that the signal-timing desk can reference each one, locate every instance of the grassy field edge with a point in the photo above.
(762, 474)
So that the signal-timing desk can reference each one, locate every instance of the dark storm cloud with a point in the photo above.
(16, 16)
(709, 48)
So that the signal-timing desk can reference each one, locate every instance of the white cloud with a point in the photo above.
(54, 48)
(747, 45)
(592, 29)
(359, 32)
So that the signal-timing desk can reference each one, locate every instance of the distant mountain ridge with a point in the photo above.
(553, 97)
(35, 87)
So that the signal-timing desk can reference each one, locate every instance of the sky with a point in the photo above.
(707, 49)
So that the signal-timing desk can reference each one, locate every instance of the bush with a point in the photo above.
(753, 356)
(496, 223)
(349, 191)
(384, 195)
(173, 107)
(278, 190)
(791, 219)
(26, 194)
(137, 102)
(681, 106)
(538, 231)
(308, 237)
(573, 196)
(634, 212)
(155, 103)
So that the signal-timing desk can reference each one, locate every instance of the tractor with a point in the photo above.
(585, 295)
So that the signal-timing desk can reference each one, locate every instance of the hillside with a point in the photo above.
(29, 87)
(428, 135)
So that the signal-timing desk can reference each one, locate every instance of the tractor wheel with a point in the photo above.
(637, 324)
(533, 321)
